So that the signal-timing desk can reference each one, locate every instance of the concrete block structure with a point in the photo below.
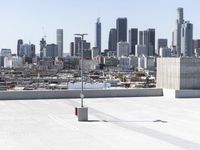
(83, 114)
(178, 73)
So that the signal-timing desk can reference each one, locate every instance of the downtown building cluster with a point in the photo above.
(128, 48)
(182, 37)
(124, 48)
(26, 54)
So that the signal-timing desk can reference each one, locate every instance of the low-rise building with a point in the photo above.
(133, 62)
(124, 63)
(147, 63)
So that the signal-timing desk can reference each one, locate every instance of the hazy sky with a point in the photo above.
(26, 19)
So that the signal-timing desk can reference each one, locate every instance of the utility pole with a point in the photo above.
(82, 111)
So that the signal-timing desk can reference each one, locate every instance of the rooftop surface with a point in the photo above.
(150, 123)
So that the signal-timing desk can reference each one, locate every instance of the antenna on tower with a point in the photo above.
(98, 19)
(44, 33)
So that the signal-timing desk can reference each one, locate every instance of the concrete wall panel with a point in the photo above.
(62, 94)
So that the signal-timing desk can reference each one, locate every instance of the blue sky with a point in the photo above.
(26, 19)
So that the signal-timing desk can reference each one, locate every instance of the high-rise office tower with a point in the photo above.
(187, 39)
(19, 43)
(151, 42)
(27, 50)
(77, 46)
(174, 38)
(141, 38)
(180, 19)
(121, 25)
(147, 38)
(43, 44)
(112, 41)
(162, 43)
(72, 48)
(86, 45)
(60, 42)
(33, 51)
(52, 50)
(98, 35)
(133, 39)
(177, 32)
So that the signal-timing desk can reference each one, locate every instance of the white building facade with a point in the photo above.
(123, 49)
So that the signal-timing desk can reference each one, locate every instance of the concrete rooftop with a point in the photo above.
(150, 123)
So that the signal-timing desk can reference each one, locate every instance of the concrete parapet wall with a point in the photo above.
(187, 93)
(60, 94)
(179, 73)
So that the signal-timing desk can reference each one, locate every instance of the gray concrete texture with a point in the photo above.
(83, 114)
(187, 93)
(59, 94)
(178, 73)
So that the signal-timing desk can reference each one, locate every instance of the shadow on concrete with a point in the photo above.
(94, 121)
(131, 121)
(134, 121)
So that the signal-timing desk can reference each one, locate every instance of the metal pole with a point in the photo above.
(82, 49)
(82, 71)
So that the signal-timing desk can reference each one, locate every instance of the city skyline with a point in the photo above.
(30, 21)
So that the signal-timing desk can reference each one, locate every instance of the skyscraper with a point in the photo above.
(151, 42)
(177, 32)
(77, 46)
(86, 45)
(147, 38)
(72, 48)
(52, 50)
(98, 35)
(180, 19)
(133, 39)
(33, 51)
(27, 50)
(43, 44)
(60, 42)
(112, 41)
(121, 25)
(187, 39)
(141, 38)
(19, 43)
